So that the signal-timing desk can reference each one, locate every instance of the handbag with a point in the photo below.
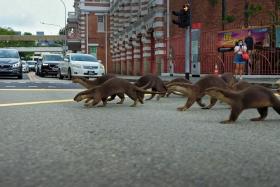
(245, 56)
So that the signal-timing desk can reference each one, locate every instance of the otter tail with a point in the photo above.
(221, 94)
(140, 89)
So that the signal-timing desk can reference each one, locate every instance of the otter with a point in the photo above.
(229, 78)
(98, 81)
(155, 83)
(254, 96)
(195, 92)
(241, 85)
(176, 80)
(111, 87)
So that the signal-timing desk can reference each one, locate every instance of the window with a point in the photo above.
(93, 50)
(100, 23)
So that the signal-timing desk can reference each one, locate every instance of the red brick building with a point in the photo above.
(87, 28)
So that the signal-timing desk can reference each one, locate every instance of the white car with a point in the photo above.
(25, 68)
(80, 65)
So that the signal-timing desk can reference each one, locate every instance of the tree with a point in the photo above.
(10, 31)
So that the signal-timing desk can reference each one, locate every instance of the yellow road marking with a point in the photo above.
(36, 102)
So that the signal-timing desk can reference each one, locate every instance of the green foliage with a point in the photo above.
(213, 2)
(253, 9)
(9, 31)
(228, 19)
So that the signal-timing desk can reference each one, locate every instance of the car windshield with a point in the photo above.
(53, 58)
(88, 58)
(8, 54)
(30, 63)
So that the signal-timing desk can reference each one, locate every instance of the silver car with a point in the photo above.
(25, 68)
(10, 64)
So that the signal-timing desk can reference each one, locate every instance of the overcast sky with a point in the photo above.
(27, 15)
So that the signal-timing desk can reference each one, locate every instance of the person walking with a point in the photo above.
(239, 49)
(249, 41)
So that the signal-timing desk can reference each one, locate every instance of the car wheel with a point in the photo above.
(20, 76)
(59, 74)
(69, 74)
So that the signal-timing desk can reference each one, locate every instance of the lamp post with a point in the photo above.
(65, 23)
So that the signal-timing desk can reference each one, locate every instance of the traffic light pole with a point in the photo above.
(187, 53)
(188, 44)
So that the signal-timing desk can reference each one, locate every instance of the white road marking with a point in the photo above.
(45, 90)
(32, 86)
(10, 86)
(36, 102)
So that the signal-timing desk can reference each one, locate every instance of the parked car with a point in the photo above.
(82, 65)
(31, 65)
(48, 65)
(10, 63)
(25, 68)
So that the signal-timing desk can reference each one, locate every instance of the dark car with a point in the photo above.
(10, 64)
(48, 65)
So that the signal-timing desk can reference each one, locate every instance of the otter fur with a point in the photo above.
(254, 96)
(195, 92)
(111, 87)
(176, 80)
(152, 82)
(241, 85)
(229, 78)
(98, 81)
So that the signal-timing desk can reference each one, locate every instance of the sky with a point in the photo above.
(27, 15)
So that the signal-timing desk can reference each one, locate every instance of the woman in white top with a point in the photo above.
(238, 60)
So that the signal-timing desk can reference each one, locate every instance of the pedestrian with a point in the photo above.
(239, 49)
(249, 41)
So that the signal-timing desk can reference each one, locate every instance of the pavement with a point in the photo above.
(151, 145)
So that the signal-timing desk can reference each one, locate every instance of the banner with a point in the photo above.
(278, 36)
(228, 38)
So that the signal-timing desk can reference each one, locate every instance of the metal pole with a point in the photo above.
(187, 53)
(168, 38)
(65, 23)
(106, 43)
(87, 33)
(188, 45)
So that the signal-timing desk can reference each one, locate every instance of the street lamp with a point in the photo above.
(65, 39)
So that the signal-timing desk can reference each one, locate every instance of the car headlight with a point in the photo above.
(102, 67)
(16, 65)
(76, 66)
(45, 64)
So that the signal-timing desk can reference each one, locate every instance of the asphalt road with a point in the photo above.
(45, 143)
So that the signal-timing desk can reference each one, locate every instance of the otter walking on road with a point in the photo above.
(252, 97)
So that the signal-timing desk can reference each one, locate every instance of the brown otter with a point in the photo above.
(229, 78)
(176, 80)
(155, 83)
(241, 85)
(98, 81)
(195, 92)
(252, 97)
(111, 87)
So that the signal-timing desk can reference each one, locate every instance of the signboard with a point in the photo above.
(228, 38)
(277, 36)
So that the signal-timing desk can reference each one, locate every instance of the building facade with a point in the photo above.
(87, 28)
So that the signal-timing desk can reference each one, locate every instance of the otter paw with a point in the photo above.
(227, 122)
(257, 119)
(205, 108)
(182, 108)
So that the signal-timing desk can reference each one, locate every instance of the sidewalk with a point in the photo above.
(267, 81)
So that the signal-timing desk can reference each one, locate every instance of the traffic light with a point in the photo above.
(183, 20)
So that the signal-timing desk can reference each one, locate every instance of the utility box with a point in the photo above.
(195, 56)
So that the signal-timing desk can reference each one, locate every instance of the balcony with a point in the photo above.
(72, 17)
(99, 6)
